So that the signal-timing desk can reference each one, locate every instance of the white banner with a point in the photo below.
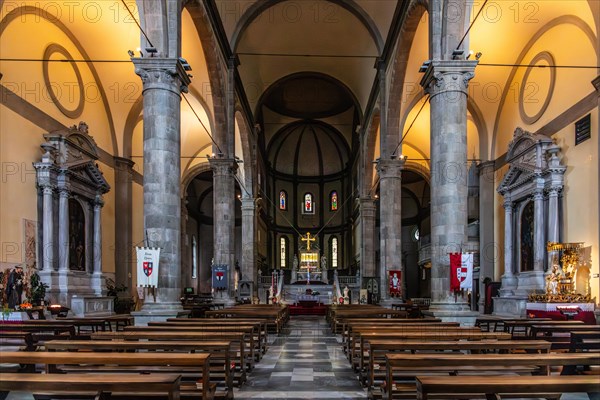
(466, 269)
(147, 266)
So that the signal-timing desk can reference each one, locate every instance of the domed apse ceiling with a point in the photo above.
(308, 148)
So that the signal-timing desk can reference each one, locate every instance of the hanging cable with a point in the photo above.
(264, 194)
(411, 125)
(471, 24)
(137, 23)
(338, 210)
(202, 123)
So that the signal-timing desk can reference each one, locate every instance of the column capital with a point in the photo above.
(248, 203)
(64, 192)
(223, 166)
(508, 205)
(554, 191)
(538, 195)
(162, 73)
(98, 202)
(123, 163)
(444, 76)
(390, 168)
(48, 188)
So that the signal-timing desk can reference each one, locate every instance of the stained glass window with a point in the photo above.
(194, 257)
(333, 201)
(282, 250)
(308, 204)
(334, 252)
(283, 200)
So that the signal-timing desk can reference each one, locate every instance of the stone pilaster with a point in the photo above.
(163, 81)
(487, 245)
(63, 229)
(224, 213)
(390, 228)
(48, 228)
(553, 224)
(97, 265)
(539, 249)
(248, 267)
(509, 280)
(123, 221)
(446, 81)
(367, 238)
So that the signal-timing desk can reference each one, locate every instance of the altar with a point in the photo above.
(311, 267)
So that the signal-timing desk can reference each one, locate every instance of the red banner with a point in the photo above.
(395, 283)
(455, 259)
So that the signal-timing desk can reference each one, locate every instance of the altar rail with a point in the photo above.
(348, 280)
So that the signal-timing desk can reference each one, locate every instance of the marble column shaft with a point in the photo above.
(488, 249)
(63, 230)
(248, 266)
(123, 222)
(446, 81)
(224, 212)
(553, 224)
(48, 228)
(97, 265)
(367, 238)
(539, 249)
(390, 225)
(508, 238)
(163, 80)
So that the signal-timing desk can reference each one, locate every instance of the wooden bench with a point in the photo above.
(520, 328)
(219, 363)
(238, 361)
(585, 341)
(245, 330)
(190, 365)
(341, 324)
(97, 386)
(497, 387)
(560, 335)
(374, 359)
(492, 323)
(408, 366)
(24, 340)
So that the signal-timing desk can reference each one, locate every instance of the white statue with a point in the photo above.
(295, 262)
(324, 263)
(346, 297)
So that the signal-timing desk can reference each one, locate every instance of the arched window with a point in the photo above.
(283, 200)
(334, 252)
(283, 251)
(333, 201)
(194, 257)
(308, 206)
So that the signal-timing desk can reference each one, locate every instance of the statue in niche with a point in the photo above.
(76, 236)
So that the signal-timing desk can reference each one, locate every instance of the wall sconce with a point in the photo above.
(131, 53)
(140, 51)
(151, 50)
(478, 55)
(456, 54)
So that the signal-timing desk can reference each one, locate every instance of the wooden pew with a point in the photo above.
(411, 365)
(584, 341)
(124, 364)
(492, 323)
(18, 338)
(497, 387)
(560, 335)
(42, 332)
(374, 362)
(278, 313)
(94, 385)
(259, 335)
(239, 369)
(219, 363)
(520, 328)
(245, 330)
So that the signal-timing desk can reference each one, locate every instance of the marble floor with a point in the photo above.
(305, 361)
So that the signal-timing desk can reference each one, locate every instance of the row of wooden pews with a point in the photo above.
(396, 356)
(183, 357)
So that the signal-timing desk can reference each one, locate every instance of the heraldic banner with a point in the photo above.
(395, 283)
(220, 276)
(147, 266)
(461, 271)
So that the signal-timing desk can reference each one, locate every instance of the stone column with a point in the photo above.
(123, 222)
(248, 267)
(488, 249)
(553, 224)
(224, 214)
(538, 233)
(48, 230)
(367, 237)
(390, 228)
(446, 81)
(63, 230)
(509, 280)
(97, 265)
(163, 81)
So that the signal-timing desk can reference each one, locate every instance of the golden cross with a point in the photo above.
(308, 240)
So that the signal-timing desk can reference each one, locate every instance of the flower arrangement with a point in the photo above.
(25, 306)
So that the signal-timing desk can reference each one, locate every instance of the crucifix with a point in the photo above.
(308, 239)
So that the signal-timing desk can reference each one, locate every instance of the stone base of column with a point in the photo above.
(64, 285)
(509, 284)
(510, 306)
(156, 312)
(223, 298)
(447, 313)
(531, 281)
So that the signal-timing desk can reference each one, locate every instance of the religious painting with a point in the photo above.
(527, 243)
(283, 200)
(333, 201)
(29, 236)
(395, 283)
(308, 204)
(76, 236)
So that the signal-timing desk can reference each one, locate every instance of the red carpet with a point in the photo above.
(314, 310)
